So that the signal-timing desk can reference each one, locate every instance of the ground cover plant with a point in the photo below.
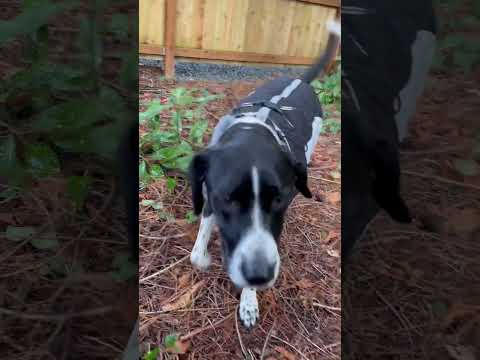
(190, 314)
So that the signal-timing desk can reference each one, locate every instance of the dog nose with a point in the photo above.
(258, 271)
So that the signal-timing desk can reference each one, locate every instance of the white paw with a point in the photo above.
(248, 310)
(200, 259)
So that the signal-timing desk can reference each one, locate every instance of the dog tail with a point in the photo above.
(333, 27)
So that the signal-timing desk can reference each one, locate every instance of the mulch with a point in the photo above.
(300, 316)
(415, 290)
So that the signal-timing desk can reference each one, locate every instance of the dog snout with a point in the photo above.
(258, 271)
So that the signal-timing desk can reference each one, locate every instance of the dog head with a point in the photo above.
(249, 184)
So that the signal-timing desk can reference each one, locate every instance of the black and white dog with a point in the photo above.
(252, 169)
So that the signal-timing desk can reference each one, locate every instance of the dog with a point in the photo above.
(244, 181)
(387, 50)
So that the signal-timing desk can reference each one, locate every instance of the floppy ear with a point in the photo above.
(301, 179)
(197, 173)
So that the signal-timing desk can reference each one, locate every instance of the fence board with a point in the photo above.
(151, 22)
(266, 28)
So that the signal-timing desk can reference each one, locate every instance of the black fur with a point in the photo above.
(127, 160)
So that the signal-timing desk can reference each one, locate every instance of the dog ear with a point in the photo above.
(197, 174)
(301, 179)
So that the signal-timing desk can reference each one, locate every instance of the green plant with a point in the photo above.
(168, 146)
(51, 111)
(458, 51)
(332, 126)
(329, 88)
(152, 354)
(49, 108)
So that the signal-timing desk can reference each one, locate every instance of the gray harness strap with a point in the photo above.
(261, 115)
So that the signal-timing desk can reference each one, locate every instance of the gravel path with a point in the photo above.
(223, 72)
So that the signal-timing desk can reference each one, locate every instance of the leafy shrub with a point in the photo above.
(168, 147)
(457, 51)
(329, 92)
(50, 108)
(329, 88)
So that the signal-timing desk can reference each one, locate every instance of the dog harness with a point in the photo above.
(288, 108)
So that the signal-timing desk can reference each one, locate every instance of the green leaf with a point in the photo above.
(171, 153)
(45, 242)
(33, 16)
(68, 117)
(190, 217)
(77, 189)
(465, 60)
(124, 268)
(153, 109)
(19, 233)
(104, 140)
(111, 104)
(142, 170)
(452, 41)
(467, 167)
(206, 99)
(41, 160)
(9, 194)
(176, 121)
(173, 344)
(163, 137)
(147, 202)
(152, 354)
(182, 163)
(189, 114)
(156, 171)
(152, 203)
(119, 25)
(197, 131)
(170, 340)
(171, 184)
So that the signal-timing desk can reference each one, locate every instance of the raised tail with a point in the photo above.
(333, 27)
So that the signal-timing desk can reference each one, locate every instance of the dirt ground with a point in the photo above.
(421, 283)
(300, 316)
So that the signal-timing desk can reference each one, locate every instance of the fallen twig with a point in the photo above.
(163, 270)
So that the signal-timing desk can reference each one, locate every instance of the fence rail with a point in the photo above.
(288, 32)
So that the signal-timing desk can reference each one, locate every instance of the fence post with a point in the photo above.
(170, 25)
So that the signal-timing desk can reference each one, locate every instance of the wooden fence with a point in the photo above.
(290, 32)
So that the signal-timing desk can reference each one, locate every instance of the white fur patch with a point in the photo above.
(423, 50)
(256, 240)
(248, 309)
(200, 258)
(316, 129)
(334, 27)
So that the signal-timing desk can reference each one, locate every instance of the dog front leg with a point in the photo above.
(248, 309)
(200, 258)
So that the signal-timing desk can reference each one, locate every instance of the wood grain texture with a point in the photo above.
(274, 28)
(151, 22)
(170, 29)
(329, 3)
